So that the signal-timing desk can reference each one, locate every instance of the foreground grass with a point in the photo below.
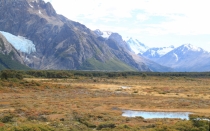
(89, 103)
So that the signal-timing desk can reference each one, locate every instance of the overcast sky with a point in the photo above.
(155, 23)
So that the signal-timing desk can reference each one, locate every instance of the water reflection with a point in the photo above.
(151, 115)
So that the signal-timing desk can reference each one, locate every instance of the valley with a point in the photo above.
(84, 101)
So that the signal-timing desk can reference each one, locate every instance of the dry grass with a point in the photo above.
(100, 100)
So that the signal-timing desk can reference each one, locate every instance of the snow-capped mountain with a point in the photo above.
(129, 43)
(114, 36)
(20, 43)
(136, 46)
(186, 58)
(157, 52)
(104, 34)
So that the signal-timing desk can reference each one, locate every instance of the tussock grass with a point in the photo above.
(96, 103)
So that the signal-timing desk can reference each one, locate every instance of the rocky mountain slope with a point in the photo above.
(61, 43)
(187, 58)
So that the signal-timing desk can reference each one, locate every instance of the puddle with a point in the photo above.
(125, 87)
(151, 115)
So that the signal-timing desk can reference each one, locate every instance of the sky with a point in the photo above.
(156, 23)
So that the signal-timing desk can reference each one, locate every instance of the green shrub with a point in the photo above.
(6, 118)
(28, 127)
(106, 125)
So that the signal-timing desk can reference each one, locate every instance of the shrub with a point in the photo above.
(7, 119)
(6, 74)
(28, 127)
(106, 125)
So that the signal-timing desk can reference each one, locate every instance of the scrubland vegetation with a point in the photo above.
(76, 100)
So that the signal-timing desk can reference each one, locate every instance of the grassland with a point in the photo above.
(96, 103)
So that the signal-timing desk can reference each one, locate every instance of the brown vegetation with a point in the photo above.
(87, 103)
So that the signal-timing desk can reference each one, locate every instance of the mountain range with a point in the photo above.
(37, 37)
(186, 58)
(60, 43)
(183, 58)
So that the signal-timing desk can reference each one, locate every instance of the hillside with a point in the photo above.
(60, 43)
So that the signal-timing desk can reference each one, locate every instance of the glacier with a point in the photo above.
(104, 34)
(20, 43)
(136, 46)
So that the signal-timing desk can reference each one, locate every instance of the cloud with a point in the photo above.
(182, 17)
(142, 17)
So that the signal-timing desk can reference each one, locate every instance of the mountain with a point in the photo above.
(59, 42)
(129, 43)
(153, 66)
(187, 58)
(115, 41)
(114, 36)
(10, 58)
(136, 46)
(119, 43)
(157, 52)
(104, 34)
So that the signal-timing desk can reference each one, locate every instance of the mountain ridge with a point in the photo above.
(186, 58)
(60, 43)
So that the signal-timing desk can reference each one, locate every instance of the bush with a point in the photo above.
(106, 125)
(6, 74)
(28, 127)
(7, 119)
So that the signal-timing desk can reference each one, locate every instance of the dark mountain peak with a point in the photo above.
(42, 6)
(117, 36)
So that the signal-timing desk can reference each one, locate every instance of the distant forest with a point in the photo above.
(6, 74)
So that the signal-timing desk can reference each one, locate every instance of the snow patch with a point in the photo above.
(192, 47)
(176, 57)
(104, 34)
(40, 12)
(20, 43)
(164, 50)
(157, 52)
(31, 6)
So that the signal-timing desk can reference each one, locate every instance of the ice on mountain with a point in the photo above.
(104, 34)
(176, 56)
(40, 12)
(20, 43)
(192, 47)
(164, 50)
(136, 46)
(31, 6)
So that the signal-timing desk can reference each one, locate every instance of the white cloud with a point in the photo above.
(181, 17)
(142, 17)
(187, 17)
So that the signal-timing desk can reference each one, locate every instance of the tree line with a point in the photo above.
(6, 74)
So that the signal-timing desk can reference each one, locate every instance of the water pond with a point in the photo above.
(151, 115)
